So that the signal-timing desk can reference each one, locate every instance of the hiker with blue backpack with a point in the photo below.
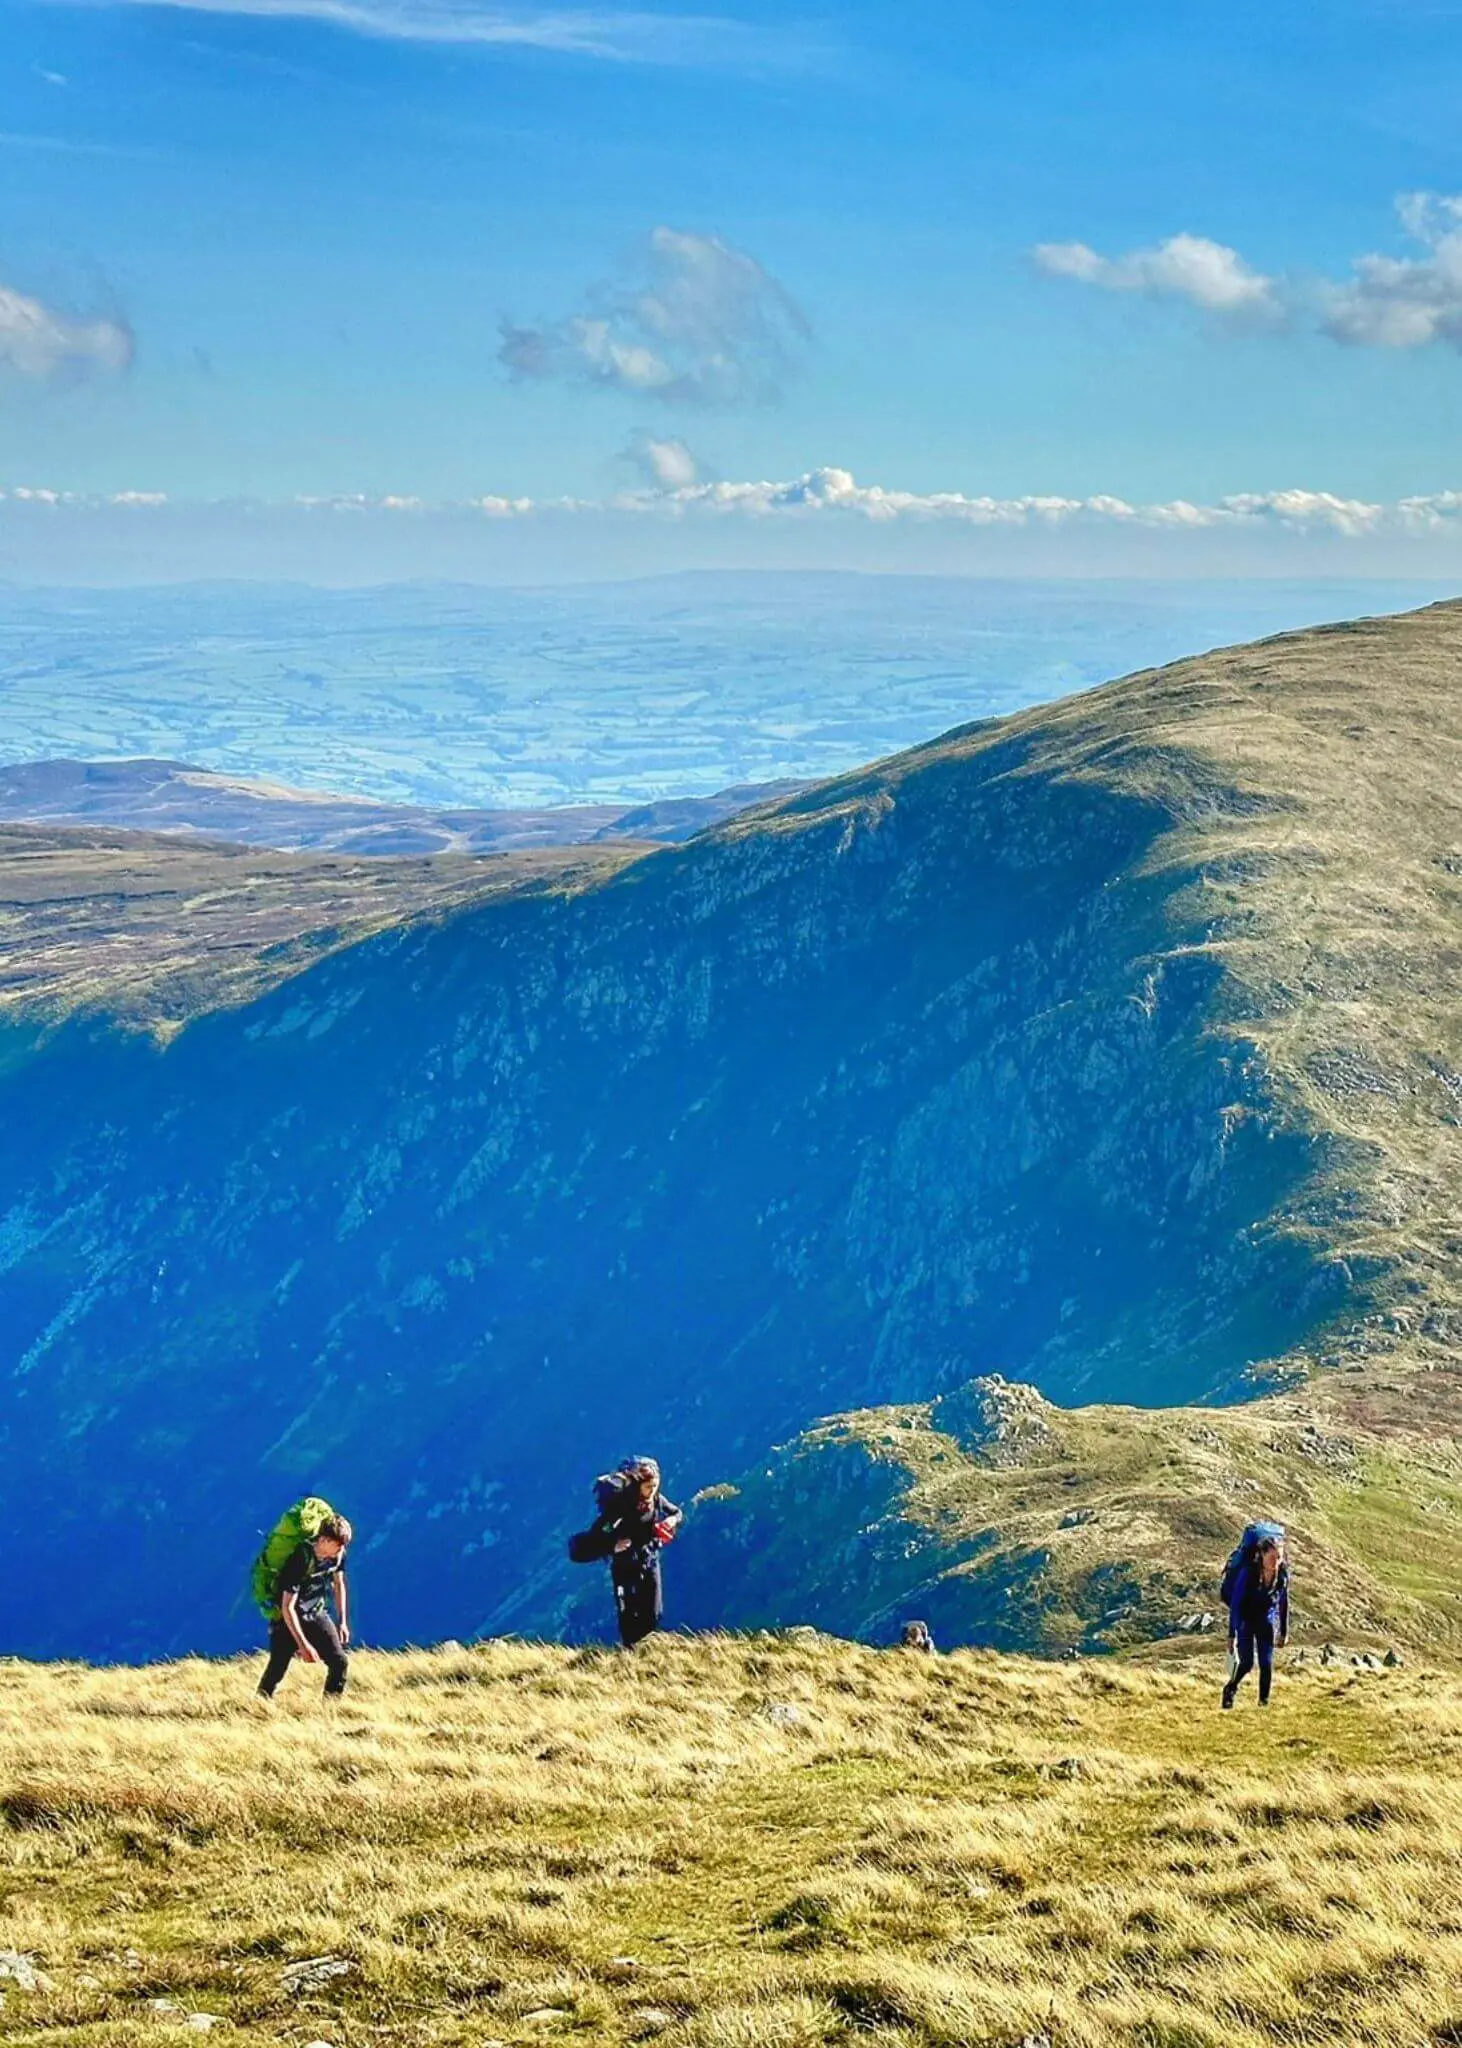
(633, 1524)
(300, 1567)
(1256, 1587)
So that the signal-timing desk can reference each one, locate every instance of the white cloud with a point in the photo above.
(629, 36)
(691, 321)
(1387, 302)
(832, 493)
(1208, 275)
(29, 494)
(37, 341)
(1405, 302)
(665, 465)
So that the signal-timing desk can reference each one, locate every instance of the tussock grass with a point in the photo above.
(513, 1844)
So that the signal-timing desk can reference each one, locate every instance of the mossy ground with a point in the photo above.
(735, 1843)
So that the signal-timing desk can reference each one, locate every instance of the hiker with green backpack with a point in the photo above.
(300, 1566)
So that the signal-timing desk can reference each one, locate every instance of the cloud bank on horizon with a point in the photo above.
(1396, 302)
(830, 492)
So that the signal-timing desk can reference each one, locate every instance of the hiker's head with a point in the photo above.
(1268, 1560)
(334, 1537)
(645, 1474)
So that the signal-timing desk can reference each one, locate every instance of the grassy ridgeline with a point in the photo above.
(734, 1843)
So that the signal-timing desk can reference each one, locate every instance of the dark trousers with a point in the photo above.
(1255, 1642)
(638, 1595)
(320, 1632)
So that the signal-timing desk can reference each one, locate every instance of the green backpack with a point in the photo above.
(300, 1524)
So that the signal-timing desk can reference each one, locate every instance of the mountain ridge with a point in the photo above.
(1102, 1047)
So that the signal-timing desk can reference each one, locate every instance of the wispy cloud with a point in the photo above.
(38, 342)
(1399, 302)
(1208, 275)
(690, 321)
(619, 36)
(832, 493)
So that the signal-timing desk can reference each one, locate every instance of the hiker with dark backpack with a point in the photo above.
(633, 1524)
(300, 1567)
(1256, 1586)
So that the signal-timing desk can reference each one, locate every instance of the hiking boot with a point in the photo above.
(1226, 1697)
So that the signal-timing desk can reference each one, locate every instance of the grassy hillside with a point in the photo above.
(1003, 1519)
(733, 1843)
(1115, 1047)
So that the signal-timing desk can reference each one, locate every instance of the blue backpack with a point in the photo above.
(1253, 1536)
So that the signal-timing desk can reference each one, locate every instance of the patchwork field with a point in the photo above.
(732, 1843)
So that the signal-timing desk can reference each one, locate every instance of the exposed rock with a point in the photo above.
(312, 1971)
(22, 1971)
(999, 1421)
(1077, 1518)
(1393, 1660)
(781, 1714)
(651, 2019)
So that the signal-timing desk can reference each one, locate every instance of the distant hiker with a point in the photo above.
(916, 1636)
(633, 1525)
(1256, 1587)
(299, 1568)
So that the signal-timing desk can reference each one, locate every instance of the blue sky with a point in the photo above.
(1194, 257)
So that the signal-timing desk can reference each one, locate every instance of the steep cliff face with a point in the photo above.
(937, 1070)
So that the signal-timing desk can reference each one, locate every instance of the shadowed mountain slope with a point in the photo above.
(1114, 1047)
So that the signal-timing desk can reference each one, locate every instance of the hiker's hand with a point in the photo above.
(623, 1543)
(345, 1635)
(665, 1531)
(309, 1654)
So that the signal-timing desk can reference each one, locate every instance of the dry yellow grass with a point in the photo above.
(734, 1843)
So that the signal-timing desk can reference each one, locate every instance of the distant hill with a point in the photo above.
(170, 796)
(149, 929)
(1112, 1048)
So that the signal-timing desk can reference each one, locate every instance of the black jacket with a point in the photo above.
(637, 1522)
